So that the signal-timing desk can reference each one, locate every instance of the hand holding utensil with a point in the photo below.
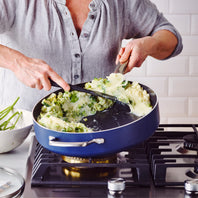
(120, 68)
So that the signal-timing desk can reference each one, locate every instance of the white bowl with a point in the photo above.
(11, 139)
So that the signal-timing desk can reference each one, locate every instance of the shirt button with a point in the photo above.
(77, 55)
(92, 16)
(76, 76)
(86, 35)
(92, 5)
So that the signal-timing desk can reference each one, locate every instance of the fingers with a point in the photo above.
(59, 80)
(39, 85)
(134, 52)
(135, 60)
(47, 73)
(126, 54)
(35, 73)
(119, 55)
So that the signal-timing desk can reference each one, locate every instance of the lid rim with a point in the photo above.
(19, 190)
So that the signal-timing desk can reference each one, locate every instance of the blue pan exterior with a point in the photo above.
(115, 140)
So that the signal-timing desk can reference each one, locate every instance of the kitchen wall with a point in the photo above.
(176, 80)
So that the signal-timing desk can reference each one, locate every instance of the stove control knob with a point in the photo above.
(116, 185)
(191, 186)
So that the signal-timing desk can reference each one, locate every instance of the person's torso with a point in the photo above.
(44, 29)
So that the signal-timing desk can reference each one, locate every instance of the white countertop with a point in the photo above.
(17, 158)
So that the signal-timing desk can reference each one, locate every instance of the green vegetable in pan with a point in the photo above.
(63, 111)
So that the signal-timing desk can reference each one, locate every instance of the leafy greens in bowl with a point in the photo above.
(15, 125)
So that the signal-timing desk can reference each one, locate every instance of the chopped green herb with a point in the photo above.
(74, 97)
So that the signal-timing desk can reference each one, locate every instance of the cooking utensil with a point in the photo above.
(103, 142)
(120, 106)
(117, 115)
(120, 68)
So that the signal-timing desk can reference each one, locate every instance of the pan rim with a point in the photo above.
(100, 131)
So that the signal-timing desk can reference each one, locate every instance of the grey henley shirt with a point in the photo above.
(44, 29)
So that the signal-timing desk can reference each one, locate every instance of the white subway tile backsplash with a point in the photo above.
(183, 87)
(163, 6)
(193, 107)
(183, 6)
(137, 71)
(193, 66)
(177, 66)
(173, 106)
(181, 22)
(182, 120)
(158, 84)
(194, 24)
(190, 44)
(163, 120)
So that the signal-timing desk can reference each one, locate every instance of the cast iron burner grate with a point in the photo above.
(131, 165)
(168, 155)
(163, 158)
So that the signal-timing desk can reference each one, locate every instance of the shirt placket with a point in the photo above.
(87, 27)
(77, 44)
(74, 45)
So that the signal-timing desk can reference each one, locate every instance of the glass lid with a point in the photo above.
(11, 183)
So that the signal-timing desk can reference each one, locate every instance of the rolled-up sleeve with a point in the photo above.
(7, 14)
(144, 19)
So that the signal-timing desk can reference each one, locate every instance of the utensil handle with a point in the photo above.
(81, 89)
(54, 142)
(121, 106)
(54, 84)
(120, 68)
(94, 93)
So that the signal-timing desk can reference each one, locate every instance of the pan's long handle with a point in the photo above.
(54, 142)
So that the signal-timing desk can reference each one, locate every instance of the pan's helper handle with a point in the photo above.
(54, 142)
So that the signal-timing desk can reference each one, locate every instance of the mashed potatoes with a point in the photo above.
(63, 112)
(132, 94)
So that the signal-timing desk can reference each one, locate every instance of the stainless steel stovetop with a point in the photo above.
(155, 169)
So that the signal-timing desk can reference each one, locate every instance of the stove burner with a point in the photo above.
(83, 172)
(191, 142)
(74, 160)
(53, 170)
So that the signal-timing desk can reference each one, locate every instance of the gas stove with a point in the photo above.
(160, 167)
